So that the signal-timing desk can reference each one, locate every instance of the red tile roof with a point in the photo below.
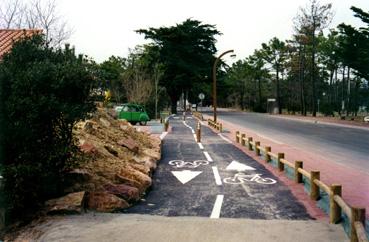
(9, 36)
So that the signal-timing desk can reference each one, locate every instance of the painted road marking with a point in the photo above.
(189, 118)
(194, 135)
(237, 166)
(218, 180)
(208, 156)
(162, 136)
(201, 146)
(192, 130)
(176, 117)
(224, 138)
(217, 207)
(188, 164)
(241, 178)
(186, 175)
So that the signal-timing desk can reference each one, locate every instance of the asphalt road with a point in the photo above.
(345, 145)
(214, 179)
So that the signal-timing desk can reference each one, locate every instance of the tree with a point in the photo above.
(37, 14)
(186, 53)
(275, 53)
(311, 20)
(43, 93)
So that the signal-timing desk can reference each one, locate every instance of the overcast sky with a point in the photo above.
(106, 27)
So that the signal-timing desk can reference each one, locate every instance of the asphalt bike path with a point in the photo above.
(214, 179)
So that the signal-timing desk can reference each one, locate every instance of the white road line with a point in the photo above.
(194, 135)
(162, 136)
(218, 180)
(273, 140)
(217, 207)
(208, 156)
(227, 140)
(201, 146)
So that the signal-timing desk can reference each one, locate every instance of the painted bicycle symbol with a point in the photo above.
(240, 178)
(188, 164)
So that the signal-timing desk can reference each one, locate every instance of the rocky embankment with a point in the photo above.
(115, 168)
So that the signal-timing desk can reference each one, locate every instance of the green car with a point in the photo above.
(133, 113)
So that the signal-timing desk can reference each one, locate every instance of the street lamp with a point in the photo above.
(215, 82)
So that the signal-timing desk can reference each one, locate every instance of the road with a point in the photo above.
(345, 145)
(199, 180)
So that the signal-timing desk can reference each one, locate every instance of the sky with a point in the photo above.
(105, 28)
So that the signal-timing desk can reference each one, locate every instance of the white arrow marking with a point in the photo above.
(237, 166)
(186, 175)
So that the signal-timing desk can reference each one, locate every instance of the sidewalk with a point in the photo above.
(139, 228)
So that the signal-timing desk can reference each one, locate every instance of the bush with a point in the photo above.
(43, 92)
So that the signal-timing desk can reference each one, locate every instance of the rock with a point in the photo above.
(104, 202)
(69, 204)
(111, 150)
(76, 176)
(129, 182)
(89, 127)
(105, 122)
(132, 174)
(152, 153)
(130, 144)
(126, 192)
(88, 148)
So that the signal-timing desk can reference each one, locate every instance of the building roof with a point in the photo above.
(9, 36)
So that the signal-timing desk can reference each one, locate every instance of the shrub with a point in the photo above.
(43, 92)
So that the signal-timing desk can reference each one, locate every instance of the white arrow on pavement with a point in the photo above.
(186, 175)
(237, 166)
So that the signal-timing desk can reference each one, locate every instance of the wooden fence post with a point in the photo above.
(334, 208)
(237, 137)
(166, 125)
(249, 140)
(314, 189)
(280, 164)
(298, 175)
(243, 139)
(267, 156)
(358, 215)
(198, 132)
(257, 150)
(220, 127)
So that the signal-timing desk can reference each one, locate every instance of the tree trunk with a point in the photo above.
(312, 74)
(173, 106)
(259, 86)
(278, 94)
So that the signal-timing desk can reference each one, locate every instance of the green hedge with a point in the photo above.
(43, 92)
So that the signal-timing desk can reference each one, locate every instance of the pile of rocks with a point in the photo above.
(114, 171)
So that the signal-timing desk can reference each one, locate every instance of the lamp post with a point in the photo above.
(215, 82)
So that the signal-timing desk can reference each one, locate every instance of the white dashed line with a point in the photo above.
(208, 156)
(217, 207)
(201, 146)
(162, 136)
(218, 180)
(194, 135)
(224, 138)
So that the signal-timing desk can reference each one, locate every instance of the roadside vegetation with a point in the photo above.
(317, 70)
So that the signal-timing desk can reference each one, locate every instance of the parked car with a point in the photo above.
(134, 113)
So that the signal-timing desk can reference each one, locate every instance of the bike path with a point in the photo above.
(214, 179)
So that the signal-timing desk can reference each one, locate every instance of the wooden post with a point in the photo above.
(166, 125)
(280, 164)
(267, 157)
(198, 132)
(220, 127)
(358, 214)
(249, 140)
(237, 136)
(314, 189)
(334, 208)
(298, 175)
(243, 139)
(257, 150)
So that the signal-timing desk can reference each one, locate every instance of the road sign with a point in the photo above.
(201, 96)
(237, 166)
(186, 175)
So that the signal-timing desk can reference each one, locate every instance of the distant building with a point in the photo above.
(9, 36)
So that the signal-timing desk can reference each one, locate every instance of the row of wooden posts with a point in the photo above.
(336, 203)
(218, 126)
